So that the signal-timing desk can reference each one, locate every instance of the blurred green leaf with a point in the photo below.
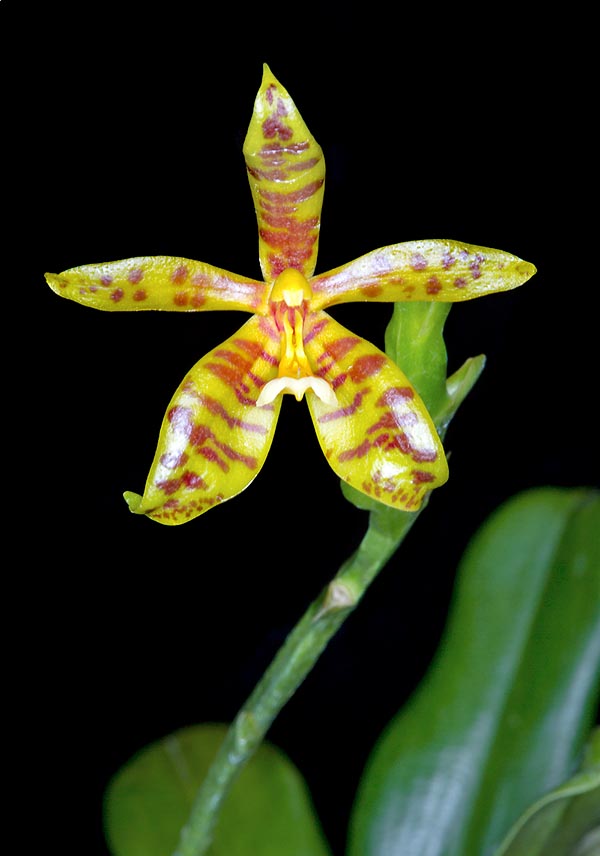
(502, 716)
(268, 813)
(564, 821)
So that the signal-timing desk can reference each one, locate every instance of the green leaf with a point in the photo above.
(503, 713)
(268, 813)
(564, 821)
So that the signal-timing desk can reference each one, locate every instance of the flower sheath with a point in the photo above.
(372, 426)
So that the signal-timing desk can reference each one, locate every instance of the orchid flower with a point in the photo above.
(371, 424)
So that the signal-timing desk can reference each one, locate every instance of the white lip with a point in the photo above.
(297, 387)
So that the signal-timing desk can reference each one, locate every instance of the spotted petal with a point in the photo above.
(159, 282)
(286, 170)
(379, 438)
(441, 270)
(214, 440)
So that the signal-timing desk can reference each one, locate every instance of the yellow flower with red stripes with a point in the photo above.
(372, 426)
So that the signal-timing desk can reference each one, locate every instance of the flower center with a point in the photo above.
(289, 300)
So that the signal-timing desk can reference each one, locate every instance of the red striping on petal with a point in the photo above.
(338, 349)
(173, 460)
(169, 486)
(304, 165)
(270, 150)
(273, 126)
(421, 477)
(285, 239)
(235, 359)
(256, 350)
(216, 408)
(214, 458)
(284, 221)
(295, 196)
(231, 453)
(358, 452)
(267, 328)
(180, 419)
(200, 434)
(340, 380)
(388, 420)
(316, 329)
(193, 480)
(366, 366)
(396, 396)
(232, 376)
(424, 455)
(348, 410)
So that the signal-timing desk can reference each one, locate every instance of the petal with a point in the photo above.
(214, 439)
(159, 282)
(380, 437)
(441, 270)
(286, 170)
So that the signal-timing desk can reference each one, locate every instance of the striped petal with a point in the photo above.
(441, 270)
(214, 440)
(159, 282)
(286, 170)
(380, 437)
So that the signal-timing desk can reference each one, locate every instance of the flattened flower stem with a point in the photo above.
(291, 665)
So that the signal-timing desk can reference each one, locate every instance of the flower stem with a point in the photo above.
(289, 668)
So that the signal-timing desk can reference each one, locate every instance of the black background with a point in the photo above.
(124, 136)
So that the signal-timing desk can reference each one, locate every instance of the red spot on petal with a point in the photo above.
(418, 261)
(135, 275)
(460, 282)
(373, 290)
(197, 300)
(117, 295)
(106, 279)
(447, 260)
(180, 298)
(140, 294)
(179, 274)
(433, 286)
